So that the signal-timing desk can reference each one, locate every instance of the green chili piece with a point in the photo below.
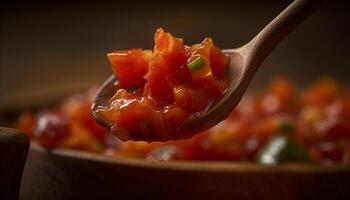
(196, 64)
(282, 149)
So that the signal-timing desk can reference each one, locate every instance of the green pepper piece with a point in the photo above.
(282, 149)
(196, 64)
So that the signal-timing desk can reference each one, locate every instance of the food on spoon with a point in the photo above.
(160, 91)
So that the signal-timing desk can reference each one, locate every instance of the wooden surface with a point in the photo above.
(13, 152)
(65, 174)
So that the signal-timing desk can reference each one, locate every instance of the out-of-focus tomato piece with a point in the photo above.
(339, 109)
(330, 152)
(315, 155)
(26, 123)
(265, 128)
(279, 97)
(227, 141)
(333, 130)
(283, 88)
(346, 155)
(322, 92)
(81, 138)
(78, 107)
(129, 66)
(51, 128)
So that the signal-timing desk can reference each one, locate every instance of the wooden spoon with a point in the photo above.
(244, 62)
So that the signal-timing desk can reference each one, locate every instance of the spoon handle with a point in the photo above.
(268, 38)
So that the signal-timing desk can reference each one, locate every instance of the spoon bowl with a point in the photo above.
(244, 62)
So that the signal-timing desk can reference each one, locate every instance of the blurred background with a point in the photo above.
(49, 49)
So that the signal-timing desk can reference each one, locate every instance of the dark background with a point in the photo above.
(51, 48)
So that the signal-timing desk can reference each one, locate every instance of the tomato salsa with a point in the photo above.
(159, 91)
(277, 125)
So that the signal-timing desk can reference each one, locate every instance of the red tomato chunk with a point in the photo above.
(159, 91)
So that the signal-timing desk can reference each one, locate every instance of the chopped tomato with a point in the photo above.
(175, 83)
(129, 66)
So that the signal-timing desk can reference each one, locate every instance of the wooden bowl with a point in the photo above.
(67, 174)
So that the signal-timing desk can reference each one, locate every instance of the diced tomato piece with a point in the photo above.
(190, 99)
(218, 60)
(169, 47)
(136, 119)
(159, 84)
(129, 66)
(174, 117)
(165, 67)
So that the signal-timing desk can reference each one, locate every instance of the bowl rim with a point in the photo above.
(203, 166)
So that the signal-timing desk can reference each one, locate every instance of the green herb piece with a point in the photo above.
(196, 64)
(282, 149)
